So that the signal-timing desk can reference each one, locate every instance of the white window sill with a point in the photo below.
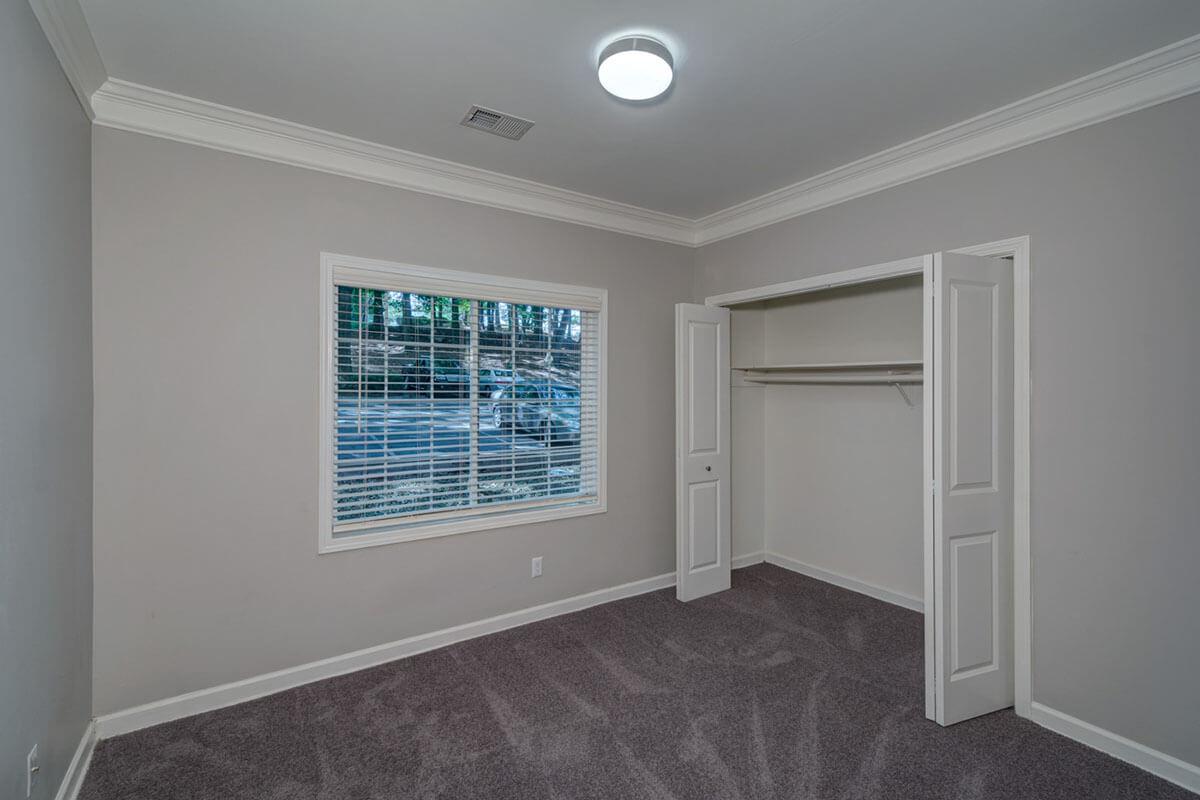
(415, 531)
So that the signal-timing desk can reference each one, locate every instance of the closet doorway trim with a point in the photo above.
(1018, 249)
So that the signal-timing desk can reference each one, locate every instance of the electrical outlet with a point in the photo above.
(537, 566)
(31, 770)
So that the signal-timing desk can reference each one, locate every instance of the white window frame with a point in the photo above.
(375, 274)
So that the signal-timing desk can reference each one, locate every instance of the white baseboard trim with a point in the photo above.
(77, 769)
(854, 585)
(748, 560)
(198, 702)
(1164, 766)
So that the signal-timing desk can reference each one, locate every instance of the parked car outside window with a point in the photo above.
(549, 412)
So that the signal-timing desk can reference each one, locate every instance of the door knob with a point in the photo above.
(708, 469)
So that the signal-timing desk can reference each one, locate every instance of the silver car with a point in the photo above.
(549, 412)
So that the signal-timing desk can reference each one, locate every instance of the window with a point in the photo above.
(454, 402)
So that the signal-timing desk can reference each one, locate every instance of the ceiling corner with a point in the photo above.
(67, 30)
(143, 109)
(1156, 77)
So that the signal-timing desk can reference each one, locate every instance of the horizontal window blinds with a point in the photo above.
(448, 407)
(444, 283)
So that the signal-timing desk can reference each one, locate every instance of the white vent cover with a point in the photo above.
(506, 125)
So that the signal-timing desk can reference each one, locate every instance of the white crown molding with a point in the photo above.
(141, 109)
(67, 29)
(1156, 77)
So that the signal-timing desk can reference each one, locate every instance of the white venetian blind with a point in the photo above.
(449, 407)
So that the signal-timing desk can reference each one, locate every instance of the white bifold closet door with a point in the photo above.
(972, 396)
(702, 514)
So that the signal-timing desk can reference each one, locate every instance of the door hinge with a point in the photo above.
(933, 487)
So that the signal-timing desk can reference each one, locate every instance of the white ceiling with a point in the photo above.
(767, 93)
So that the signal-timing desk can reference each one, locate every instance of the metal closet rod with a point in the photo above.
(859, 379)
(898, 381)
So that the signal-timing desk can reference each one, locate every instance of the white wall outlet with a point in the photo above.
(31, 770)
(537, 566)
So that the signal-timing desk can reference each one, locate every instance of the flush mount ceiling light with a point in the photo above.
(636, 68)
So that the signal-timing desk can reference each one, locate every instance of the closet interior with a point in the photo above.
(826, 432)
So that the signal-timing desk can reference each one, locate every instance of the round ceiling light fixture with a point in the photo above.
(636, 68)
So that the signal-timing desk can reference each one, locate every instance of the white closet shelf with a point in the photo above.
(885, 373)
(887, 380)
(835, 366)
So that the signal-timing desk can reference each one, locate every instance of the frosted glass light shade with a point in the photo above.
(636, 68)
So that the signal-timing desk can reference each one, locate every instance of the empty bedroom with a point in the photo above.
(569, 400)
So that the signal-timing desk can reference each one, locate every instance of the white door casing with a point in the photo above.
(972, 396)
(702, 510)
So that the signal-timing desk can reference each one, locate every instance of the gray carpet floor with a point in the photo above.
(782, 687)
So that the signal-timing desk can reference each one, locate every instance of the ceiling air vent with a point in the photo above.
(506, 125)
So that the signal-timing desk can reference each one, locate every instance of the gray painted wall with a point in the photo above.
(45, 409)
(206, 419)
(1112, 211)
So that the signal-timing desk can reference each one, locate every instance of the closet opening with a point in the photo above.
(826, 424)
(867, 428)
